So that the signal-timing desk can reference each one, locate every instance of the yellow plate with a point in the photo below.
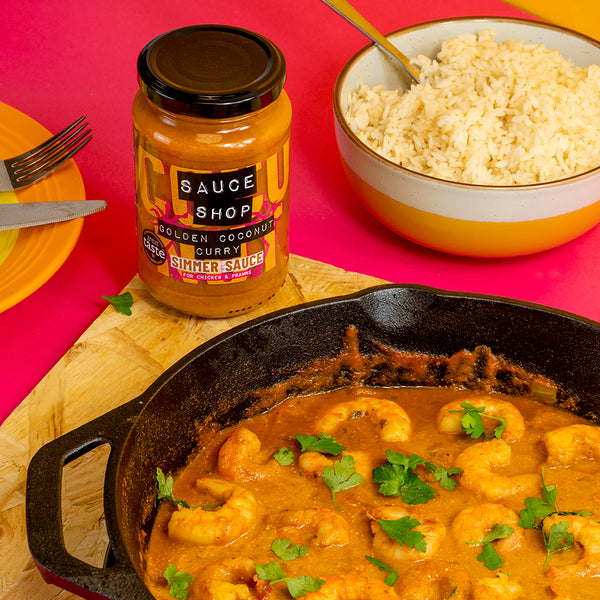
(29, 257)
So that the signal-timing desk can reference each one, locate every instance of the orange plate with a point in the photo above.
(37, 252)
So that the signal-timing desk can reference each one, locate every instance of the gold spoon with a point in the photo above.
(346, 10)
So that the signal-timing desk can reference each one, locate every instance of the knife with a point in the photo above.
(29, 214)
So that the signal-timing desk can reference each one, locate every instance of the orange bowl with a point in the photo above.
(463, 218)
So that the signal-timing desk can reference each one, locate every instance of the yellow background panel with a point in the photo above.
(580, 15)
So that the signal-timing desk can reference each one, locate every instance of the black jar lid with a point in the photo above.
(213, 71)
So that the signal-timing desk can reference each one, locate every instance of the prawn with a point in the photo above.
(499, 587)
(432, 529)
(450, 415)
(330, 528)
(313, 463)
(572, 444)
(215, 527)
(230, 579)
(435, 579)
(473, 523)
(477, 462)
(353, 587)
(392, 419)
(239, 457)
(586, 533)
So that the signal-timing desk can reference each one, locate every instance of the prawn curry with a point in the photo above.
(386, 493)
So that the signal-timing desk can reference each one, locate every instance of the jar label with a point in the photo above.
(212, 226)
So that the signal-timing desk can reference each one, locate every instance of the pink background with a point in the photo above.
(63, 58)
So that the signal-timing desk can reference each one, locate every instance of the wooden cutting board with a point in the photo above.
(115, 360)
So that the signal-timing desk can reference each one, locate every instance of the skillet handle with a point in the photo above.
(120, 580)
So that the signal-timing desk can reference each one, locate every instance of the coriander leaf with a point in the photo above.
(499, 430)
(284, 456)
(499, 532)
(490, 558)
(392, 576)
(165, 484)
(408, 462)
(178, 582)
(472, 421)
(297, 586)
(416, 491)
(285, 550)
(122, 302)
(341, 476)
(527, 519)
(397, 478)
(300, 586)
(269, 572)
(549, 492)
(534, 509)
(444, 476)
(558, 540)
(170, 572)
(165, 488)
(325, 444)
(402, 531)
(390, 479)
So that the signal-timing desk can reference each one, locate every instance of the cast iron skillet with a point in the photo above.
(216, 381)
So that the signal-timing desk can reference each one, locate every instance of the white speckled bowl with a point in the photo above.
(459, 218)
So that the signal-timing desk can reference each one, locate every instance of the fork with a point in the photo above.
(31, 166)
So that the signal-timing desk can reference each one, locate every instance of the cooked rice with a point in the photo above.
(487, 113)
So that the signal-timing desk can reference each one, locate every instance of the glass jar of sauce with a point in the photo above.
(211, 125)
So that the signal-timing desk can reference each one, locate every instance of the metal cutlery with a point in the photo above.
(346, 10)
(29, 214)
(31, 166)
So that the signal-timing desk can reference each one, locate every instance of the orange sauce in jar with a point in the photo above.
(211, 134)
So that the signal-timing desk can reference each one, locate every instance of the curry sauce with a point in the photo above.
(459, 490)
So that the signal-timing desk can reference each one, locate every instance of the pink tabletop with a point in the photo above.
(64, 58)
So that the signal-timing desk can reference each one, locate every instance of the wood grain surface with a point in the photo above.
(115, 360)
